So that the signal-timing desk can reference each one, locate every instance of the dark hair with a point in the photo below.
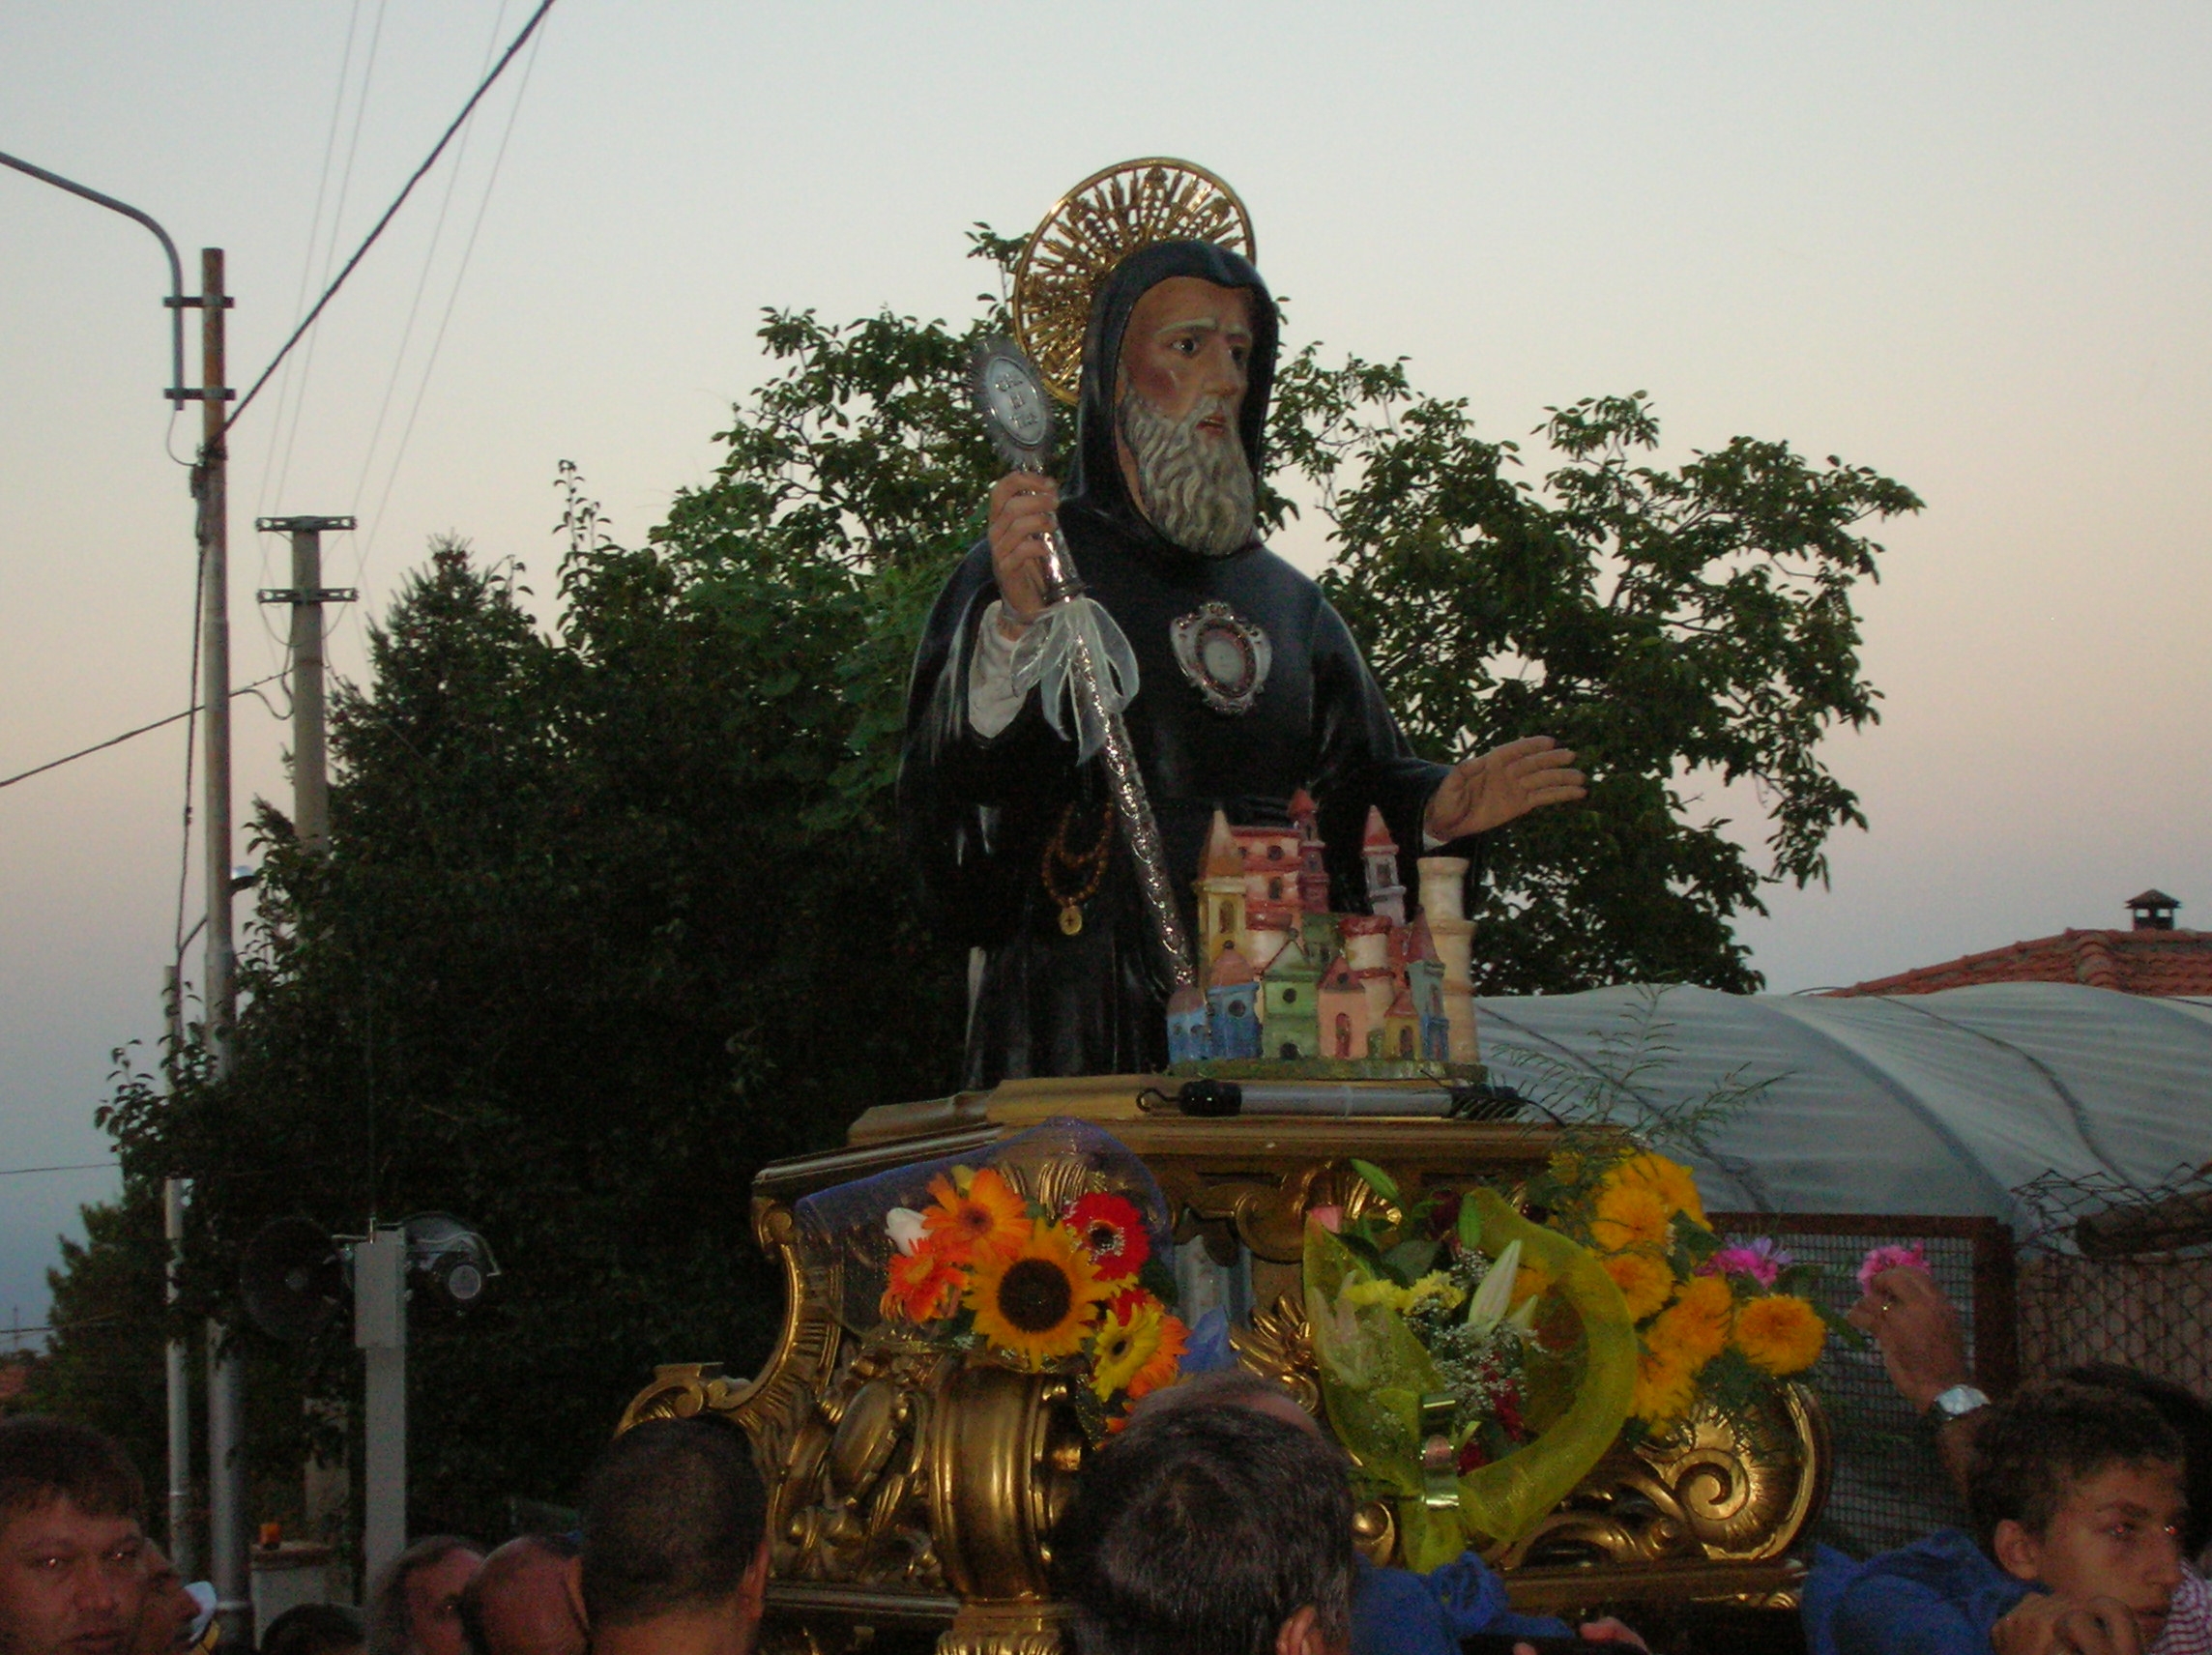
(673, 1515)
(560, 1547)
(43, 1460)
(2190, 1418)
(2034, 1445)
(1221, 1387)
(314, 1629)
(1200, 1531)
(388, 1630)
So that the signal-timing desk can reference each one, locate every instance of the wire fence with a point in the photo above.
(1888, 1485)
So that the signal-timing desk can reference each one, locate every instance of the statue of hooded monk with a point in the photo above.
(1251, 688)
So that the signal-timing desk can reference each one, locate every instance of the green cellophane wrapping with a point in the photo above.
(1374, 1373)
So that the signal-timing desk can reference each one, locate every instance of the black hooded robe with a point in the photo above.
(977, 813)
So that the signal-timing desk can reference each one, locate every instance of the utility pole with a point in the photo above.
(228, 1558)
(177, 1352)
(307, 594)
(380, 1331)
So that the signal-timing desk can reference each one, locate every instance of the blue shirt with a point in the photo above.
(1938, 1596)
(1395, 1612)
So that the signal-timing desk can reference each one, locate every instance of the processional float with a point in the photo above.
(980, 1287)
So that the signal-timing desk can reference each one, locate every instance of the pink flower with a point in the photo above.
(1327, 1217)
(1763, 1261)
(1881, 1259)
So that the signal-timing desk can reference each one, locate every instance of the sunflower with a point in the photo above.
(1112, 1230)
(1642, 1279)
(982, 1218)
(1781, 1333)
(1629, 1215)
(922, 1285)
(1037, 1302)
(1696, 1326)
(1125, 1343)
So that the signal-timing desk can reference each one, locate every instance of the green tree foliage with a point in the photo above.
(102, 1364)
(612, 914)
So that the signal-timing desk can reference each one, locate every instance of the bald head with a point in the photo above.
(524, 1602)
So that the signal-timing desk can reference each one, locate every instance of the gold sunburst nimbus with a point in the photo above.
(1094, 227)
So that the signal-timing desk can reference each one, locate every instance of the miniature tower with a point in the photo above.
(1289, 999)
(1401, 1028)
(1220, 888)
(1425, 982)
(1234, 1002)
(1343, 1020)
(1367, 950)
(1443, 897)
(1190, 1032)
(1313, 855)
(1380, 851)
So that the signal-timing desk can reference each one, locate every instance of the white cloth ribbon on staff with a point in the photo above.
(1046, 658)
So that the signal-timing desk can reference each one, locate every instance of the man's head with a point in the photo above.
(520, 1602)
(314, 1629)
(2190, 1418)
(2079, 1488)
(416, 1606)
(675, 1541)
(73, 1570)
(169, 1612)
(1178, 405)
(1211, 1530)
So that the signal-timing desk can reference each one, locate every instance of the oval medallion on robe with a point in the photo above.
(1223, 655)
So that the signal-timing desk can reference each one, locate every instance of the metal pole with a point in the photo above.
(380, 1330)
(307, 594)
(228, 1556)
(177, 1353)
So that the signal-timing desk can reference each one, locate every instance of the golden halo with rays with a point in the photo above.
(1094, 227)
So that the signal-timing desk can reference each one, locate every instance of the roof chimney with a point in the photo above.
(2153, 910)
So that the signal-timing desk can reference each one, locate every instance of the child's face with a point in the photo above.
(2117, 1535)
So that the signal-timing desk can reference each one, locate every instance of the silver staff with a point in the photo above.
(1075, 654)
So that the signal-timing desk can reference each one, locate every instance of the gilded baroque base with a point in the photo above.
(913, 1492)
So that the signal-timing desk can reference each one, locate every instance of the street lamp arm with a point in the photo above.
(176, 267)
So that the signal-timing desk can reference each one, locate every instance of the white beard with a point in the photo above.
(1197, 490)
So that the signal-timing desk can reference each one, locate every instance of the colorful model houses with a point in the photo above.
(1285, 978)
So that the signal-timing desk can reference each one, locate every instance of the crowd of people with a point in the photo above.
(1218, 1523)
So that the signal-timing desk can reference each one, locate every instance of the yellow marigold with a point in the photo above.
(1696, 1323)
(1438, 1285)
(1629, 1215)
(1781, 1333)
(1670, 1181)
(1377, 1289)
(1642, 1279)
(1663, 1390)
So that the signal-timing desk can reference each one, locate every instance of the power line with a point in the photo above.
(428, 160)
(67, 1167)
(118, 740)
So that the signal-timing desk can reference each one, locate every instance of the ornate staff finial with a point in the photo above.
(1093, 228)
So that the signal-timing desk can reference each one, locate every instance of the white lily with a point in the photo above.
(906, 1228)
(1487, 1308)
(1337, 1341)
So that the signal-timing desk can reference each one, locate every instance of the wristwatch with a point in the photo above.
(1959, 1401)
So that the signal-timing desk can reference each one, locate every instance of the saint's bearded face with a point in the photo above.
(1195, 489)
(1183, 368)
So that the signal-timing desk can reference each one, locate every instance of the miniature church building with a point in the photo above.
(1221, 893)
(1289, 1000)
(1233, 1002)
(1385, 896)
(1343, 1019)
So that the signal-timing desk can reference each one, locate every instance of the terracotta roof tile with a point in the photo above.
(2131, 962)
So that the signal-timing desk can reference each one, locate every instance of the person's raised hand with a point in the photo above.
(1504, 783)
(1919, 1332)
(2053, 1625)
(1022, 505)
(1617, 1633)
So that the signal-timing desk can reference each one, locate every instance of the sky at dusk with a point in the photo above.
(1964, 245)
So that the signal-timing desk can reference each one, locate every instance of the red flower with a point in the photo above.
(1112, 1230)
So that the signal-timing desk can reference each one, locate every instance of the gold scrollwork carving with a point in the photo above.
(851, 1504)
(1279, 1346)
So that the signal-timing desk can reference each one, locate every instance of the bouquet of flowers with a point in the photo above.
(1476, 1364)
(1048, 1253)
(1712, 1322)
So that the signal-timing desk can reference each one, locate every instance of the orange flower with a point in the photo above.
(984, 1219)
(1670, 1181)
(1781, 1333)
(1165, 1368)
(922, 1285)
(1642, 1279)
(1696, 1323)
(1663, 1388)
(1629, 1215)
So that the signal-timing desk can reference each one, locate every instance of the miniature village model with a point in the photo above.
(1283, 979)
